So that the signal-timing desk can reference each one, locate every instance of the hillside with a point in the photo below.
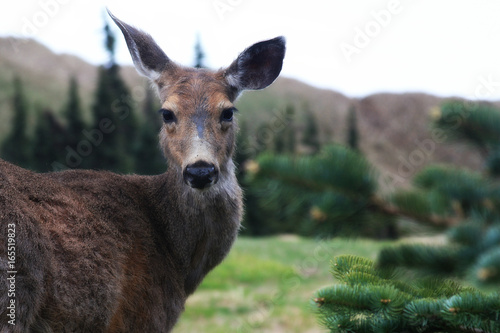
(391, 125)
(401, 139)
(45, 75)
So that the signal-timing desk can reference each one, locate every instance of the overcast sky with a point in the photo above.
(445, 47)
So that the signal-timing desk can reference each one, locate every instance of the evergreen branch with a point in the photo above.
(284, 171)
(433, 220)
(380, 304)
(475, 123)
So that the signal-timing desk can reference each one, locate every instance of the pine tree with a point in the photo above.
(115, 124)
(243, 152)
(279, 143)
(109, 43)
(493, 162)
(242, 157)
(199, 55)
(263, 140)
(48, 142)
(74, 115)
(290, 131)
(109, 150)
(149, 158)
(352, 129)
(310, 137)
(16, 146)
(285, 137)
(128, 126)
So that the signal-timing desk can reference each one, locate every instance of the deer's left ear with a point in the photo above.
(258, 66)
(149, 59)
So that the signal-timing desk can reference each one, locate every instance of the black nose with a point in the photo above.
(201, 175)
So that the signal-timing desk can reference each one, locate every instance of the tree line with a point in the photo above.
(118, 137)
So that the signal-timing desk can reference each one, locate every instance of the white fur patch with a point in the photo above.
(233, 80)
(200, 151)
(139, 66)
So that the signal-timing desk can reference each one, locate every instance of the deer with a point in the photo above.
(95, 251)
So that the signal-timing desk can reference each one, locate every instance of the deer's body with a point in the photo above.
(101, 252)
(119, 252)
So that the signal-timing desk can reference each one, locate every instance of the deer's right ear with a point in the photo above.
(258, 66)
(148, 57)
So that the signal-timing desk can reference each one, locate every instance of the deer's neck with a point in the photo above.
(199, 226)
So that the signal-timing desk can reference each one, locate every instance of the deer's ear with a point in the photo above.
(148, 57)
(258, 66)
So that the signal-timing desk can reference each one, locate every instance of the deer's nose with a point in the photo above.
(201, 175)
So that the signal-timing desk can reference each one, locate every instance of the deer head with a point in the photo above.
(198, 134)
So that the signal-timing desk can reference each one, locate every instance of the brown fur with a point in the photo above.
(101, 252)
(97, 249)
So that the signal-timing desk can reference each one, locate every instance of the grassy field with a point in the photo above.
(265, 285)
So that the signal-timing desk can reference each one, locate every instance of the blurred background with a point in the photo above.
(382, 131)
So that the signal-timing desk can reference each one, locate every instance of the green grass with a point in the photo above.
(265, 285)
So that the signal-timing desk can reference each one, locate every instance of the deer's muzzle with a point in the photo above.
(201, 175)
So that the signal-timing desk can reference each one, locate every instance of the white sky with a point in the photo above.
(443, 47)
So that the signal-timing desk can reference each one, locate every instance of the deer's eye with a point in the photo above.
(168, 116)
(227, 114)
